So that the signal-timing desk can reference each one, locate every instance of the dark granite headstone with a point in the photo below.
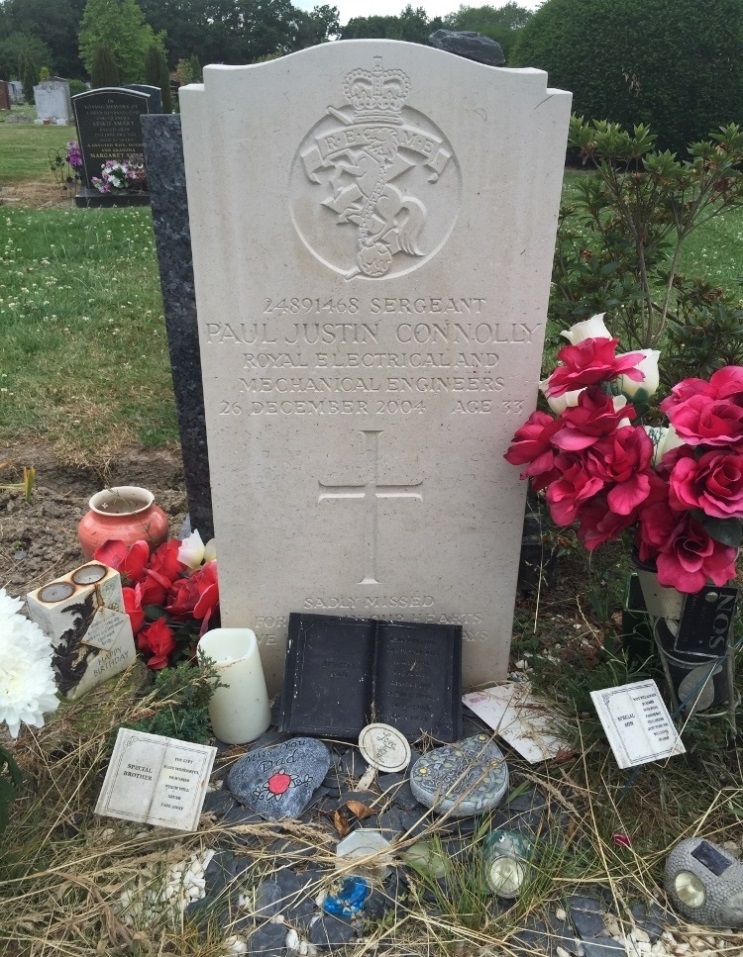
(109, 127)
(341, 673)
(279, 782)
(5, 100)
(472, 46)
(167, 185)
(154, 93)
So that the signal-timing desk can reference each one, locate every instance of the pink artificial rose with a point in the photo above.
(727, 383)
(713, 483)
(572, 490)
(691, 557)
(596, 414)
(598, 524)
(591, 362)
(702, 420)
(532, 446)
(622, 463)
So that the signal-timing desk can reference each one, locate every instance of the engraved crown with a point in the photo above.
(377, 95)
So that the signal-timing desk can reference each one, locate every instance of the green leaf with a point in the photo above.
(728, 531)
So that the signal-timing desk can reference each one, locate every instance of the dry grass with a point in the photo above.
(63, 870)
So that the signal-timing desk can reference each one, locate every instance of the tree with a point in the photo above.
(19, 48)
(412, 25)
(156, 73)
(56, 25)
(29, 74)
(119, 24)
(676, 65)
(502, 24)
(104, 70)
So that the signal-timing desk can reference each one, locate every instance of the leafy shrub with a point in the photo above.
(676, 65)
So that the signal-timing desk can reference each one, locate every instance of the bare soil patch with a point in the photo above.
(37, 195)
(38, 539)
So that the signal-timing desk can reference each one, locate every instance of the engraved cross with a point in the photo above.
(370, 492)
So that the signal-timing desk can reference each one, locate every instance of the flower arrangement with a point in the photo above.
(27, 684)
(74, 155)
(171, 595)
(677, 488)
(120, 176)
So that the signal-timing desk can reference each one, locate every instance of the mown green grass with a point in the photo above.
(83, 355)
(26, 150)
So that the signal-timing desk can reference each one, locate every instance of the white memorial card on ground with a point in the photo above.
(156, 780)
(530, 724)
(637, 723)
(373, 226)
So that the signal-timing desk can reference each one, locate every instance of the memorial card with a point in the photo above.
(156, 780)
(637, 723)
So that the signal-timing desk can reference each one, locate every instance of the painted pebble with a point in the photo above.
(279, 782)
(463, 779)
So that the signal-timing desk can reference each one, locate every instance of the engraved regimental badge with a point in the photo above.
(375, 186)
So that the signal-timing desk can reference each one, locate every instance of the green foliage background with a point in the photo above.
(676, 65)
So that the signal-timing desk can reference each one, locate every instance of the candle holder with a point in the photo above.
(238, 709)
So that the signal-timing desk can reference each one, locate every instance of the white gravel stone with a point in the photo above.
(561, 913)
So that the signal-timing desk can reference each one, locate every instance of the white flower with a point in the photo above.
(664, 439)
(191, 552)
(27, 685)
(651, 377)
(210, 550)
(592, 328)
(558, 403)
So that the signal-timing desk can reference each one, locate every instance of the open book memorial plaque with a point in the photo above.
(343, 673)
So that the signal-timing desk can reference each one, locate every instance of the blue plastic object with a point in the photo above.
(350, 898)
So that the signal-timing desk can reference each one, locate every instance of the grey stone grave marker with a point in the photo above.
(372, 227)
(109, 127)
(153, 92)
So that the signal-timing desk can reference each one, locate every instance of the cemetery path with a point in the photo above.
(38, 539)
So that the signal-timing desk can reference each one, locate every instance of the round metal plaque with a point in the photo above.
(384, 747)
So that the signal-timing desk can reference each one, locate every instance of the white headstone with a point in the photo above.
(373, 226)
(52, 99)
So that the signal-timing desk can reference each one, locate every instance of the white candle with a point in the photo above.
(239, 712)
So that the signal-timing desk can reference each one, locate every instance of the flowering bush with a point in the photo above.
(27, 684)
(678, 488)
(171, 596)
(119, 176)
(74, 155)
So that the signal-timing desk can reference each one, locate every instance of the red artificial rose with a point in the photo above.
(591, 362)
(154, 588)
(159, 639)
(165, 562)
(572, 490)
(195, 596)
(622, 462)
(532, 444)
(713, 483)
(727, 383)
(129, 561)
(594, 416)
(691, 557)
(133, 606)
(703, 420)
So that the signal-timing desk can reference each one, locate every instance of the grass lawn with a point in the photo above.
(26, 150)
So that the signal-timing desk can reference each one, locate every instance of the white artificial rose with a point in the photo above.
(191, 552)
(592, 328)
(670, 439)
(558, 403)
(648, 366)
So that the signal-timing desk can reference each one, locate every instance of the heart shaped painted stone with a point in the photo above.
(279, 781)
(463, 779)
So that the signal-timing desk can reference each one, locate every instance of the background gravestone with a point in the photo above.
(109, 127)
(52, 99)
(153, 92)
(372, 275)
(16, 91)
(166, 179)
(5, 98)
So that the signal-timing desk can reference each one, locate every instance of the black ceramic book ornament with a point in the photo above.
(342, 673)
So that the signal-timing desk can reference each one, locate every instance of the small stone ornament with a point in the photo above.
(279, 782)
(507, 855)
(463, 779)
(705, 883)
